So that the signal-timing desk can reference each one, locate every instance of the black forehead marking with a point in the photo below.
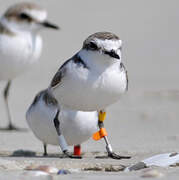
(100, 35)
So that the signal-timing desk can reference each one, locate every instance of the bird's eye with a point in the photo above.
(93, 46)
(24, 16)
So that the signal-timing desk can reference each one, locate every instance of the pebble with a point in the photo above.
(152, 173)
(94, 168)
(114, 168)
(63, 172)
(135, 167)
(105, 167)
(44, 168)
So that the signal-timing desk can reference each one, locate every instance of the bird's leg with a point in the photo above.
(45, 150)
(77, 150)
(62, 141)
(103, 134)
(6, 94)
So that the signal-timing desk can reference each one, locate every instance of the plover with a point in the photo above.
(93, 78)
(52, 124)
(20, 42)
(57, 126)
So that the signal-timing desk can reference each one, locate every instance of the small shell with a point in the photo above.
(37, 175)
(152, 173)
(63, 172)
(44, 168)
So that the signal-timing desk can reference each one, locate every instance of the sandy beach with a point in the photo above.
(143, 123)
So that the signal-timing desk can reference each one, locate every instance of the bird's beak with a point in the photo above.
(47, 24)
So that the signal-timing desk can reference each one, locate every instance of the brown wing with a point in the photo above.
(127, 81)
(61, 72)
(124, 69)
(57, 78)
(59, 75)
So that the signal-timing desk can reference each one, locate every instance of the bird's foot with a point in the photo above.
(68, 154)
(113, 156)
(45, 154)
(116, 156)
(11, 127)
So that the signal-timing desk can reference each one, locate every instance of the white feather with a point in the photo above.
(18, 54)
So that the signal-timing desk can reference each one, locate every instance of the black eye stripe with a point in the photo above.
(24, 16)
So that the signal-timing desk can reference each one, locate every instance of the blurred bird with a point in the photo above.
(93, 79)
(20, 43)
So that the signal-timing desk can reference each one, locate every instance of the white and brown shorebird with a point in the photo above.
(93, 79)
(54, 124)
(20, 42)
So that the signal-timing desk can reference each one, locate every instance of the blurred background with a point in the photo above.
(146, 118)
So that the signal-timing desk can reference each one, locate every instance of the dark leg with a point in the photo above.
(45, 150)
(6, 94)
(111, 154)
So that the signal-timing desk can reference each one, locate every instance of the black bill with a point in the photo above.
(50, 25)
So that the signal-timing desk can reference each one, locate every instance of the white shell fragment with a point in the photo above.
(44, 168)
(161, 160)
(152, 173)
(36, 175)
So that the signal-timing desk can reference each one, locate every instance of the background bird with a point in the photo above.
(20, 42)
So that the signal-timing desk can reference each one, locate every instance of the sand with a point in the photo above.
(143, 123)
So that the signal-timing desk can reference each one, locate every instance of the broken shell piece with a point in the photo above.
(37, 175)
(161, 160)
(152, 173)
(44, 168)
(135, 167)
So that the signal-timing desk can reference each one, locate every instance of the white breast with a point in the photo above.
(18, 53)
(90, 90)
(78, 126)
